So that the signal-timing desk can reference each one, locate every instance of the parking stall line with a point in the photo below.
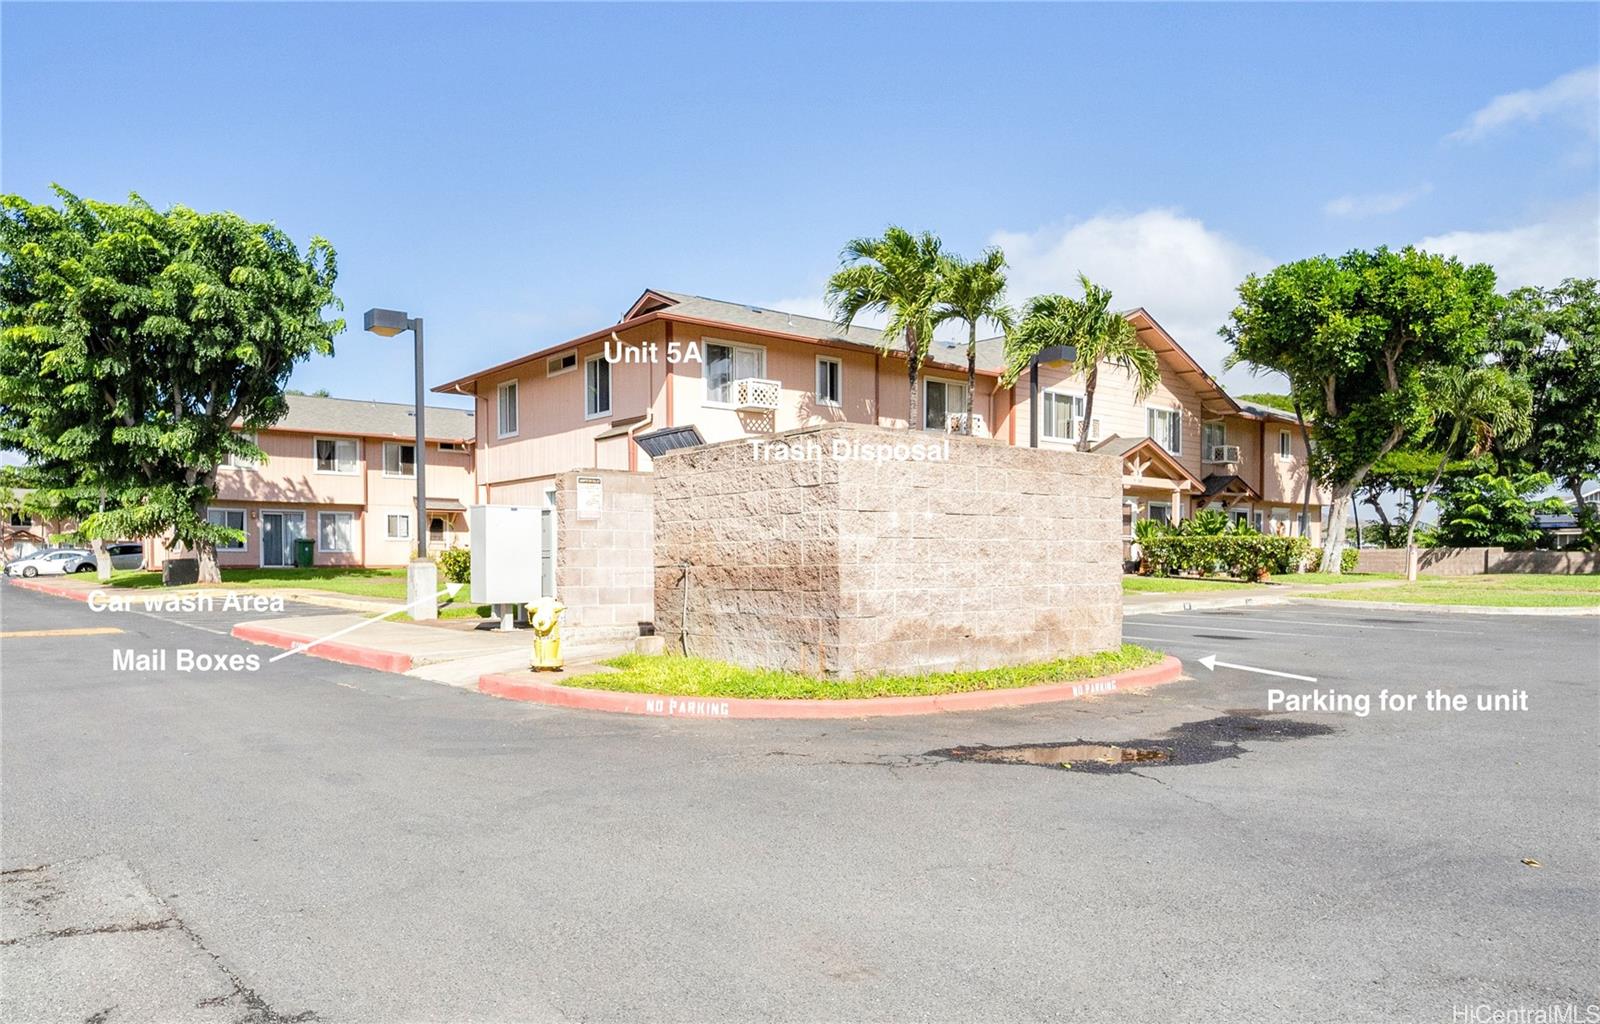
(20, 634)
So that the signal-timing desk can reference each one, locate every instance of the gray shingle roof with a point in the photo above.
(313, 414)
(990, 350)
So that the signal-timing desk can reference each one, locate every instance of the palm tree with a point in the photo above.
(898, 274)
(1480, 407)
(974, 291)
(1099, 333)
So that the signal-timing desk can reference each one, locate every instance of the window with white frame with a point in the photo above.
(238, 461)
(830, 381)
(233, 519)
(596, 387)
(942, 399)
(1260, 522)
(399, 459)
(336, 455)
(1285, 444)
(1213, 436)
(1060, 416)
(397, 526)
(1166, 426)
(555, 366)
(1160, 511)
(336, 532)
(726, 363)
(505, 404)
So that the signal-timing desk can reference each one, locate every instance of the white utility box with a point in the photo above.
(505, 553)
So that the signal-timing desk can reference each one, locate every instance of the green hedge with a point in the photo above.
(1246, 556)
(1348, 559)
(455, 564)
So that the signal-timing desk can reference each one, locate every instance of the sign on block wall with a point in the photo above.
(591, 497)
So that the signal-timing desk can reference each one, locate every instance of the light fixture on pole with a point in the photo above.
(388, 323)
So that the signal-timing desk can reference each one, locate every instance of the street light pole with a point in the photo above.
(421, 575)
(422, 487)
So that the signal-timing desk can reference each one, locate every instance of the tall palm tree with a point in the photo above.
(1472, 409)
(974, 291)
(1098, 332)
(898, 274)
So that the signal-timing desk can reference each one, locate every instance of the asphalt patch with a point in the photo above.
(1202, 742)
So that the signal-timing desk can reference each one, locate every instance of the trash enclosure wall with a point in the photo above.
(847, 549)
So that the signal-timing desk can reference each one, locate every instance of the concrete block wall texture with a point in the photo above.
(605, 566)
(998, 556)
(1474, 561)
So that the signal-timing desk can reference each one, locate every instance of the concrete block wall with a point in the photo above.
(1000, 555)
(605, 566)
(1475, 561)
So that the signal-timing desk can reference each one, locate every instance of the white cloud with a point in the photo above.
(1184, 273)
(1575, 96)
(1564, 243)
(1374, 204)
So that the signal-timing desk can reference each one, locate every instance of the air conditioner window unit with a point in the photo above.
(755, 394)
(955, 423)
(1224, 453)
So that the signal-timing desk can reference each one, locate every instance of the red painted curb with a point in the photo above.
(1168, 670)
(54, 590)
(347, 654)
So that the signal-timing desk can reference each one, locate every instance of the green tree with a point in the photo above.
(901, 275)
(1100, 334)
(974, 291)
(1552, 338)
(1470, 409)
(136, 344)
(1353, 335)
(1490, 509)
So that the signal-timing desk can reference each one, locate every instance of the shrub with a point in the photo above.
(455, 564)
(1208, 522)
(1348, 559)
(1245, 556)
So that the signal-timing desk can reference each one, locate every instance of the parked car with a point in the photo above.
(126, 554)
(53, 563)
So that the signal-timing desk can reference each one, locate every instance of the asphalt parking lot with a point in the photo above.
(317, 839)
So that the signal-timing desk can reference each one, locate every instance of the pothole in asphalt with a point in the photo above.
(1203, 742)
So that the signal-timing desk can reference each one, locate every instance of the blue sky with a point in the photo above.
(519, 173)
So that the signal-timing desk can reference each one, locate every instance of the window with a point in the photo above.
(596, 387)
(830, 381)
(555, 366)
(233, 519)
(1166, 426)
(1240, 518)
(1261, 522)
(452, 446)
(942, 399)
(436, 530)
(399, 459)
(1160, 511)
(1285, 443)
(336, 532)
(725, 364)
(1060, 416)
(398, 526)
(1215, 435)
(238, 461)
(336, 455)
(505, 403)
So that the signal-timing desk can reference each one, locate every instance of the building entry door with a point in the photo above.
(279, 531)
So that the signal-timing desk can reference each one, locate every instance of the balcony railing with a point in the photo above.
(956, 422)
(752, 394)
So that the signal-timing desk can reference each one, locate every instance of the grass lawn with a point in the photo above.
(379, 583)
(678, 676)
(1502, 590)
(1331, 577)
(1174, 584)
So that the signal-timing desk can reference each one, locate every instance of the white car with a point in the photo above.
(52, 563)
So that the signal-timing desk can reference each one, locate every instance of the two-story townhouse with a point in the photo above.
(734, 370)
(342, 473)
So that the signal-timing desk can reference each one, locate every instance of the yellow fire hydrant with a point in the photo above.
(545, 618)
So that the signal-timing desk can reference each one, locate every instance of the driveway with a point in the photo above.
(331, 841)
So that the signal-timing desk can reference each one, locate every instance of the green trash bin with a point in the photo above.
(304, 552)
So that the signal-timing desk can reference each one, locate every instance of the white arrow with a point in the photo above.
(1211, 662)
(450, 589)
